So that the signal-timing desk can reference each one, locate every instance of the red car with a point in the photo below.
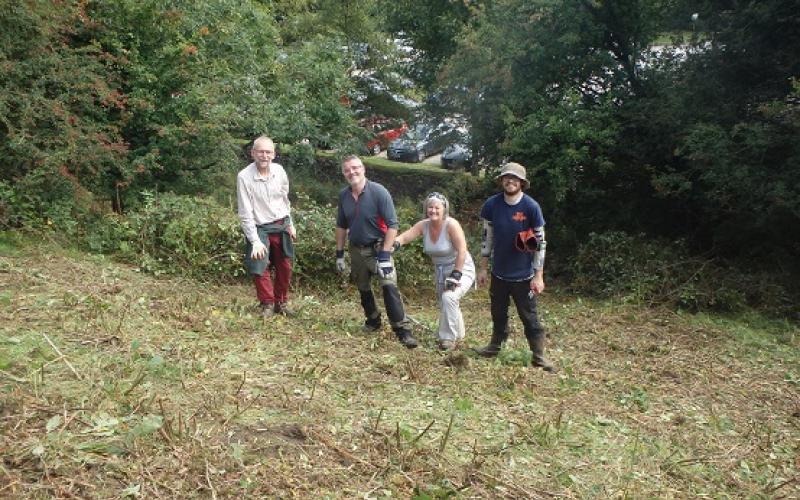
(385, 130)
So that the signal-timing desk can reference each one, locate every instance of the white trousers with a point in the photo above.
(451, 321)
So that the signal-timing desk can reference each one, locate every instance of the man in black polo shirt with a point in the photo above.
(366, 216)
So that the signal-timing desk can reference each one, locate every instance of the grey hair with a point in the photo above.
(263, 138)
(351, 157)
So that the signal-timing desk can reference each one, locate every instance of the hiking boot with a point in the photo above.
(446, 345)
(267, 310)
(405, 338)
(284, 310)
(372, 324)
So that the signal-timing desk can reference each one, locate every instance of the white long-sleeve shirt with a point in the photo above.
(261, 200)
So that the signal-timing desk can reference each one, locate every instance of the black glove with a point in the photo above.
(453, 281)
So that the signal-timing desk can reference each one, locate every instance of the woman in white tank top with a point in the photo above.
(454, 270)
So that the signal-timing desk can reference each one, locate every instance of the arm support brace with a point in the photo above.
(538, 256)
(487, 239)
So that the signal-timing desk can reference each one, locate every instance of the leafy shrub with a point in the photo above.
(197, 238)
(41, 200)
(414, 268)
(184, 235)
(316, 240)
(657, 272)
(615, 263)
(108, 233)
(14, 209)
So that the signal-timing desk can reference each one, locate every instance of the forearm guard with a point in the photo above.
(487, 239)
(538, 256)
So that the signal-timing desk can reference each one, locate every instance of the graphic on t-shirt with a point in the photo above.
(519, 217)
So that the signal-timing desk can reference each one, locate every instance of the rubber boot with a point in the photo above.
(373, 321)
(372, 324)
(539, 360)
(405, 338)
(492, 349)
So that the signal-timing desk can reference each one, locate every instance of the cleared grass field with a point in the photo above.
(119, 384)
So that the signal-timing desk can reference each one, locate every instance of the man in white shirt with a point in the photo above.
(262, 195)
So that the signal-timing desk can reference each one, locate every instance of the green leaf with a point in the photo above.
(148, 425)
(103, 448)
(53, 423)
(133, 490)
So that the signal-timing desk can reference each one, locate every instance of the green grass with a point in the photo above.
(397, 167)
(114, 384)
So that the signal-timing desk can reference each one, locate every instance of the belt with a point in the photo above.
(370, 245)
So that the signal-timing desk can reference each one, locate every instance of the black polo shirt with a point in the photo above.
(369, 217)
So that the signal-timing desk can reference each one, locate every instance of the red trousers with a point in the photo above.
(278, 293)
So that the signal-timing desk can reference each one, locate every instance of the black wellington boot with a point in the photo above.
(492, 349)
(539, 360)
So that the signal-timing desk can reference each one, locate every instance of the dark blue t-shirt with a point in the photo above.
(508, 263)
(370, 217)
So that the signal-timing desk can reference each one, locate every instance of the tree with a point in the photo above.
(202, 78)
(689, 140)
(59, 105)
(430, 29)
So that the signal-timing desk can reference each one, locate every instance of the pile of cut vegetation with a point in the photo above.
(115, 383)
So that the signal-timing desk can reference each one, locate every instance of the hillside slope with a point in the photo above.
(114, 383)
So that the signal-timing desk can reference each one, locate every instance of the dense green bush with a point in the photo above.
(58, 105)
(184, 235)
(41, 200)
(658, 272)
(197, 238)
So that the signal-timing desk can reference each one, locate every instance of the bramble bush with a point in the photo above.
(183, 235)
(198, 238)
(641, 269)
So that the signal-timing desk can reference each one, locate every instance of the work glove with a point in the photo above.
(453, 281)
(259, 250)
(384, 264)
(526, 241)
(340, 264)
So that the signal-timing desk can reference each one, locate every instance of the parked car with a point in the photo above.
(385, 130)
(457, 155)
(419, 142)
